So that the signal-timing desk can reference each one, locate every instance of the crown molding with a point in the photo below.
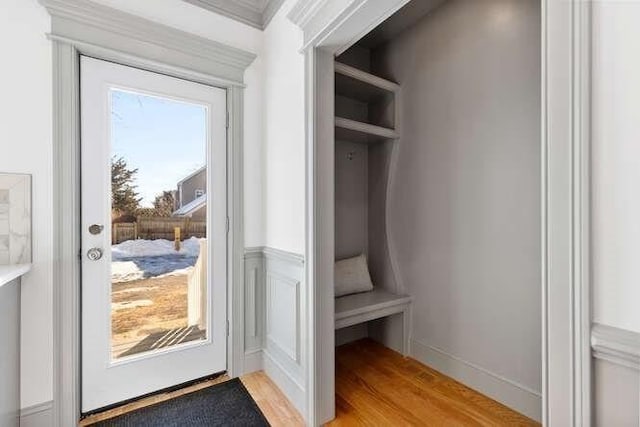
(302, 12)
(85, 23)
(335, 25)
(318, 19)
(270, 10)
(256, 13)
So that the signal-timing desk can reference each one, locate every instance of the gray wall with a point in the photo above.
(357, 56)
(465, 205)
(10, 354)
(351, 233)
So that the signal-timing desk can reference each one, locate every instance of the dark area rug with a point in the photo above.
(224, 404)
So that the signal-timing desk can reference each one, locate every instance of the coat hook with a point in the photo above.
(350, 155)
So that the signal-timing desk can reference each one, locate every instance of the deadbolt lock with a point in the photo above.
(96, 229)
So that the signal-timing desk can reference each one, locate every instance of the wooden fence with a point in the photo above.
(123, 231)
(151, 228)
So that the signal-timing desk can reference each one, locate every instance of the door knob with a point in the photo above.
(94, 254)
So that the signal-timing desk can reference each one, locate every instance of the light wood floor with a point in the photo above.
(271, 401)
(375, 386)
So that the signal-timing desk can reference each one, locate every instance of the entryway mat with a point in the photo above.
(225, 404)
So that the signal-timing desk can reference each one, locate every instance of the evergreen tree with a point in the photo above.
(124, 197)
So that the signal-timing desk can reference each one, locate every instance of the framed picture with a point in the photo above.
(15, 218)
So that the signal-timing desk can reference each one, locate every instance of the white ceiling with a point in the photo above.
(256, 13)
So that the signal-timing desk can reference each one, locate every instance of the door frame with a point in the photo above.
(330, 27)
(82, 28)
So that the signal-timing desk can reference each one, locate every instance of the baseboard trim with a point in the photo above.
(37, 415)
(616, 345)
(508, 392)
(287, 384)
(253, 361)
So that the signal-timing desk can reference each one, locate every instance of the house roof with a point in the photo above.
(191, 207)
(191, 175)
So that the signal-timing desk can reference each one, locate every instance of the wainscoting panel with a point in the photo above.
(284, 273)
(37, 416)
(283, 322)
(274, 324)
(616, 376)
(253, 300)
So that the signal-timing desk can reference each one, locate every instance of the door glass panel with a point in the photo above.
(159, 216)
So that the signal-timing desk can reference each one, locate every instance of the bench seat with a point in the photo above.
(359, 308)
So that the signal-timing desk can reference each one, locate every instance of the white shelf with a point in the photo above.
(357, 84)
(351, 130)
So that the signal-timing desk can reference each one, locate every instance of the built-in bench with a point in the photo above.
(359, 308)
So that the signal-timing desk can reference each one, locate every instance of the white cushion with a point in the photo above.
(352, 276)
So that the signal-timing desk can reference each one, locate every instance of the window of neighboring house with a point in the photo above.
(199, 193)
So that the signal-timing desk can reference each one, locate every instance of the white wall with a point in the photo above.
(284, 134)
(25, 146)
(616, 163)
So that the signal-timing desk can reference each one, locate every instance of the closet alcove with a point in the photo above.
(437, 183)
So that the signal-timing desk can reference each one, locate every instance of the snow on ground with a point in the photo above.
(140, 259)
(125, 271)
(158, 247)
(178, 272)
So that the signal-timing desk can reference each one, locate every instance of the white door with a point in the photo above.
(154, 238)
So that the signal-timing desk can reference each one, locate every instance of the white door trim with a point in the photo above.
(330, 27)
(87, 28)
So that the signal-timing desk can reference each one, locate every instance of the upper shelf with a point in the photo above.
(351, 130)
(357, 84)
